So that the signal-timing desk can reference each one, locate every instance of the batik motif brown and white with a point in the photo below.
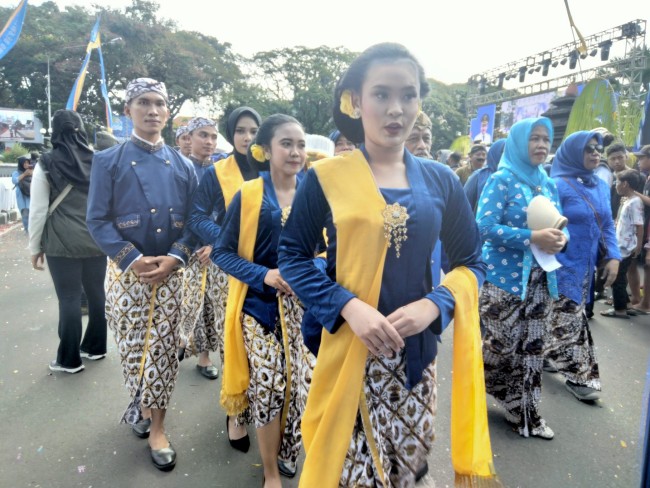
(514, 346)
(128, 302)
(203, 308)
(571, 346)
(266, 368)
(301, 370)
(402, 426)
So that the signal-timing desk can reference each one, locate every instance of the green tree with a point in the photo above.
(194, 67)
(303, 77)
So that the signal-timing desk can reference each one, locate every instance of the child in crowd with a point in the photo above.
(629, 233)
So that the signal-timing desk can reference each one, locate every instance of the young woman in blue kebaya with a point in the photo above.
(585, 200)
(260, 330)
(374, 314)
(516, 300)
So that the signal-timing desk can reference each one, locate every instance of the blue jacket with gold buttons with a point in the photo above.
(139, 201)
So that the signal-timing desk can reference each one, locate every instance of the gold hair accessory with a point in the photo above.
(395, 217)
(286, 211)
(258, 153)
(346, 106)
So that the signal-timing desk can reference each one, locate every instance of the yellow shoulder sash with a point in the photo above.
(337, 384)
(229, 177)
(235, 372)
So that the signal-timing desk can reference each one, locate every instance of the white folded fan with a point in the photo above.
(542, 214)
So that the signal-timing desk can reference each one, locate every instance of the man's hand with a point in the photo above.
(164, 267)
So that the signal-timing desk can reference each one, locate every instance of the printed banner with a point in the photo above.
(482, 126)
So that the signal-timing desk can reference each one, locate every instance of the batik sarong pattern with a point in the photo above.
(514, 346)
(402, 426)
(203, 310)
(128, 302)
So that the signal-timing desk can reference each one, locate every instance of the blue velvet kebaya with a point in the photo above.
(437, 210)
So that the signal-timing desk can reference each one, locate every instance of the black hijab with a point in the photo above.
(70, 159)
(247, 171)
(234, 117)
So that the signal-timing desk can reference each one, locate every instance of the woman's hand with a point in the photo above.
(203, 254)
(38, 261)
(274, 280)
(610, 271)
(550, 240)
(374, 330)
(164, 265)
(413, 318)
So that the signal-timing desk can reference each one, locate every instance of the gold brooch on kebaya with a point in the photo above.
(286, 211)
(395, 217)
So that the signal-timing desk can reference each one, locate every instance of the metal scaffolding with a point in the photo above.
(628, 71)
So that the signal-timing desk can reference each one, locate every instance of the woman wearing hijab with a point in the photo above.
(21, 178)
(209, 204)
(516, 299)
(58, 230)
(477, 180)
(585, 200)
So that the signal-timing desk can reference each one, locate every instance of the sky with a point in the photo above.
(453, 39)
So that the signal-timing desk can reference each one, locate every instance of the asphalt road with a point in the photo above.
(62, 431)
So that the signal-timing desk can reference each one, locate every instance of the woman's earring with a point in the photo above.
(356, 114)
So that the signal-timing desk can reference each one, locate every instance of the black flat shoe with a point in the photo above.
(142, 428)
(242, 444)
(164, 459)
(210, 372)
(287, 468)
(422, 472)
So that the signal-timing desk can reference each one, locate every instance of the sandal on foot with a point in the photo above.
(637, 311)
(610, 312)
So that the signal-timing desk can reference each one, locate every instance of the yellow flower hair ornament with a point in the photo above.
(346, 106)
(258, 153)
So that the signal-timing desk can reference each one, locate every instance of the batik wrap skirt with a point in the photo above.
(571, 346)
(515, 343)
(128, 305)
(268, 395)
(205, 292)
(402, 423)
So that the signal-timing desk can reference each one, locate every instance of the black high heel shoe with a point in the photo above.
(242, 444)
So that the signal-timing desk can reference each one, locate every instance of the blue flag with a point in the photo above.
(11, 32)
(93, 43)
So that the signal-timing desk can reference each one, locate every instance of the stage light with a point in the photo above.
(531, 71)
(545, 65)
(604, 50)
(593, 52)
(573, 59)
(501, 78)
(630, 29)
(481, 86)
(522, 74)
(583, 56)
(563, 62)
(554, 65)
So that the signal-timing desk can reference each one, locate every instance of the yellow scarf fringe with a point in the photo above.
(236, 375)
